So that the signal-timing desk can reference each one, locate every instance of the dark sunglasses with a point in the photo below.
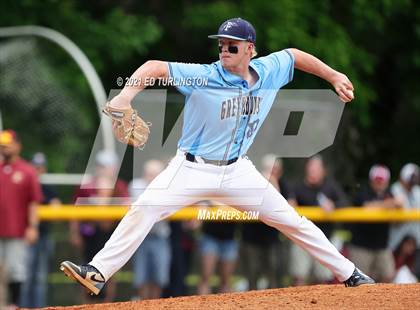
(231, 49)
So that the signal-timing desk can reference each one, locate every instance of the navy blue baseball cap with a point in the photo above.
(236, 29)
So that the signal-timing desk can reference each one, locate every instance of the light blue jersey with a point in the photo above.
(222, 118)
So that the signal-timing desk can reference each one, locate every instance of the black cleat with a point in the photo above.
(86, 275)
(358, 278)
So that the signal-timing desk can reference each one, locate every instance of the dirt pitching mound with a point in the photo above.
(380, 296)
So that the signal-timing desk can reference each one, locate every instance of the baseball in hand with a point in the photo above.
(346, 95)
(350, 93)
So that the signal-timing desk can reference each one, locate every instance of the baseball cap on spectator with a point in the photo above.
(379, 173)
(39, 159)
(8, 136)
(408, 171)
(236, 29)
(106, 158)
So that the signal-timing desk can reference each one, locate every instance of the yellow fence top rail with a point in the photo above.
(350, 214)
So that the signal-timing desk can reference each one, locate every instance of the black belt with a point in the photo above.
(197, 159)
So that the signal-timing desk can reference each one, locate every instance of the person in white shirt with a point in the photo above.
(407, 190)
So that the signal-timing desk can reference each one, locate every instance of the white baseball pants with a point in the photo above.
(239, 185)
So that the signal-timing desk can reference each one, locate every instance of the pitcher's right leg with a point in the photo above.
(247, 183)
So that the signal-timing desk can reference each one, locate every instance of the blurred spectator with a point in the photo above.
(407, 191)
(404, 256)
(368, 246)
(315, 190)
(20, 193)
(263, 255)
(217, 244)
(183, 244)
(153, 257)
(3, 291)
(91, 236)
(34, 290)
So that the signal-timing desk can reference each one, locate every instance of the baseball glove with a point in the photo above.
(128, 126)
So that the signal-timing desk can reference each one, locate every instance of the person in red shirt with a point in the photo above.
(20, 193)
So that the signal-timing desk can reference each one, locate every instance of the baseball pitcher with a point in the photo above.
(221, 121)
